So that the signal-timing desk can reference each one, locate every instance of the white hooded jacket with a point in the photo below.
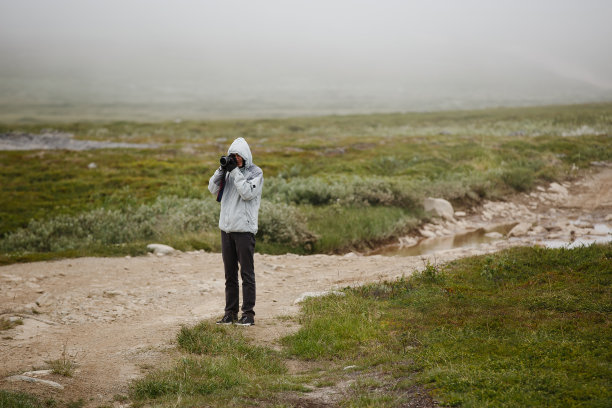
(242, 192)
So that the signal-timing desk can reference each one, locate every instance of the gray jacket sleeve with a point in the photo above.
(214, 184)
(248, 189)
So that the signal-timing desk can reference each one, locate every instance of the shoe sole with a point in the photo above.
(245, 324)
(224, 324)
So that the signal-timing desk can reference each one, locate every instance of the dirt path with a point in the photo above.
(116, 317)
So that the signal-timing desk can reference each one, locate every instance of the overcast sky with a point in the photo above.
(314, 42)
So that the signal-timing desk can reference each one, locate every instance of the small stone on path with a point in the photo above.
(160, 249)
(25, 378)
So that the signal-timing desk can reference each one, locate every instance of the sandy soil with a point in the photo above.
(118, 317)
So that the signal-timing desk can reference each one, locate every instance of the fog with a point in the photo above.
(280, 57)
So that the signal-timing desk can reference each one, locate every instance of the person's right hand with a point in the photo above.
(231, 165)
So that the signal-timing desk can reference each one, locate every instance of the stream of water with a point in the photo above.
(601, 234)
(470, 239)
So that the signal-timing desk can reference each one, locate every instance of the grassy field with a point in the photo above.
(370, 170)
(525, 327)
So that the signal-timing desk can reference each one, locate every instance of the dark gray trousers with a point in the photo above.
(238, 248)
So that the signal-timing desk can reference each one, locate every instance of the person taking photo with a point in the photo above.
(238, 183)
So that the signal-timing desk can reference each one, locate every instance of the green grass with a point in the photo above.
(523, 327)
(375, 167)
(217, 366)
(9, 399)
(361, 227)
(13, 399)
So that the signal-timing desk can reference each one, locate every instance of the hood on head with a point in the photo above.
(241, 147)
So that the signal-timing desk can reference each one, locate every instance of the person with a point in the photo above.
(238, 187)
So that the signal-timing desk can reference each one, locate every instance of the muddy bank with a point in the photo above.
(558, 215)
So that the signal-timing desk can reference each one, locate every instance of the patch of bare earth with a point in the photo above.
(118, 317)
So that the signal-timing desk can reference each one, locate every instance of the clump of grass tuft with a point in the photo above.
(7, 324)
(218, 362)
(431, 273)
(63, 365)
(519, 178)
(213, 340)
(80, 403)
(334, 327)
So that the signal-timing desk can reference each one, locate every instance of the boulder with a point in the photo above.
(407, 241)
(520, 229)
(558, 189)
(426, 233)
(439, 207)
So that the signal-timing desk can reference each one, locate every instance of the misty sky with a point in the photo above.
(250, 43)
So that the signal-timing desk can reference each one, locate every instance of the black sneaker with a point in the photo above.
(228, 319)
(246, 320)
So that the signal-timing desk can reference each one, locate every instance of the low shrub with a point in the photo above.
(283, 224)
(345, 190)
(519, 178)
(167, 219)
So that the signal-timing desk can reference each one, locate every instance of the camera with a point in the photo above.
(228, 160)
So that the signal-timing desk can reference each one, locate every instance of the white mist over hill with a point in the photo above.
(271, 57)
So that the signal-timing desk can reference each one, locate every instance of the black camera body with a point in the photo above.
(228, 160)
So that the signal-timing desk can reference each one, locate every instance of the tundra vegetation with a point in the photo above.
(524, 327)
(332, 183)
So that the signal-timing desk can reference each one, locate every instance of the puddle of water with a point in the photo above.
(602, 229)
(602, 234)
(584, 241)
(470, 239)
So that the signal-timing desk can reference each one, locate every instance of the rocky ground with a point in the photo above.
(51, 140)
(117, 317)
